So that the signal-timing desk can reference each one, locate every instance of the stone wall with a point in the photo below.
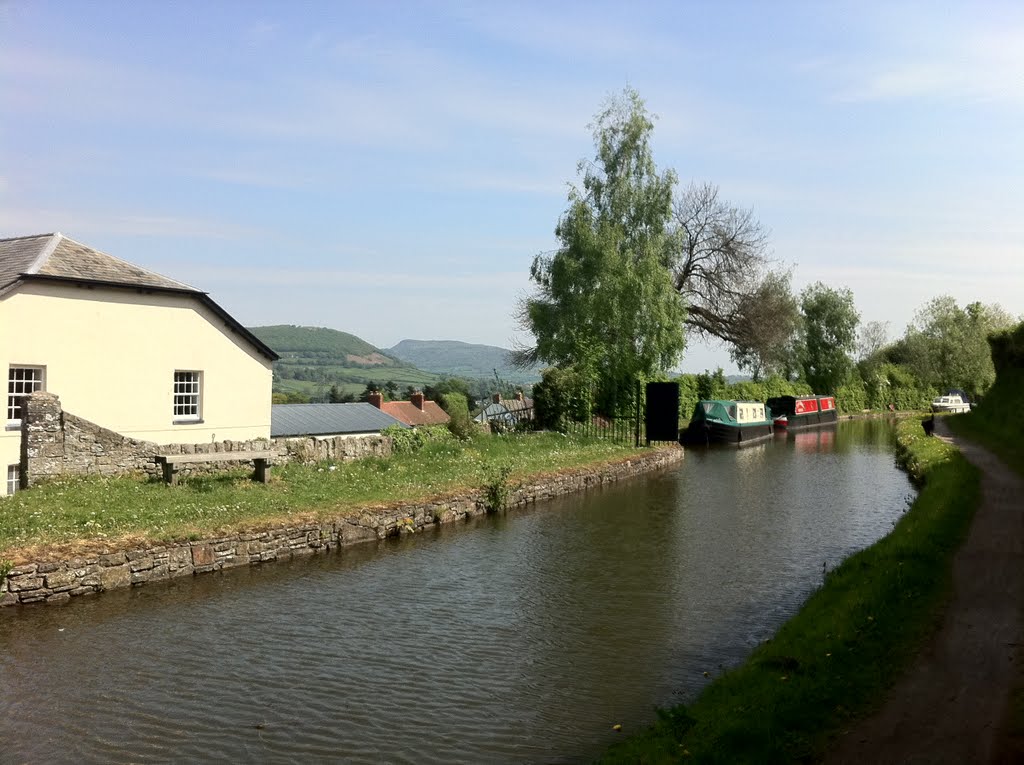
(336, 449)
(57, 443)
(54, 581)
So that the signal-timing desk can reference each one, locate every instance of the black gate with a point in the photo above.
(661, 414)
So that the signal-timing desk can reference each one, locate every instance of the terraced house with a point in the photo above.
(130, 350)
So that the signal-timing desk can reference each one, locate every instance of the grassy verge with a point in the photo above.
(831, 662)
(82, 510)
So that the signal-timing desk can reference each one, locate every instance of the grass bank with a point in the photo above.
(96, 509)
(831, 662)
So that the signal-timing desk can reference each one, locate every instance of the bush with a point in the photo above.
(561, 395)
(410, 440)
(460, 425)
(850, 397)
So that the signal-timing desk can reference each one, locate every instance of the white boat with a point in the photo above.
(953, 403)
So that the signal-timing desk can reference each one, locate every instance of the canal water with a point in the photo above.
(521, 638)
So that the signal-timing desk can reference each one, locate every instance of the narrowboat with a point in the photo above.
(728, 422)
(802, 411)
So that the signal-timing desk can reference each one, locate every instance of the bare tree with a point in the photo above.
(872, 338)
(725, 275)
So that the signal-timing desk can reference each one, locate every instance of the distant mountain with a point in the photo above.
(315, 358)
(457, 359)
(318, 343)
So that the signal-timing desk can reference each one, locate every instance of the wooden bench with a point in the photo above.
(169, 462)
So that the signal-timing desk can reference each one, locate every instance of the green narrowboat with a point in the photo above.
(739, 423)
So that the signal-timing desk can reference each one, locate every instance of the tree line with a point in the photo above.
(643, 267)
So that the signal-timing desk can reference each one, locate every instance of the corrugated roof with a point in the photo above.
(288, 420)
(409, 413)
(56, 257)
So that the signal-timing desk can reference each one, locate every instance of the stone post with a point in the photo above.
(42, 437)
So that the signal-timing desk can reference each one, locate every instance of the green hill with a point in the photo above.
(457, 359)
(315, 358)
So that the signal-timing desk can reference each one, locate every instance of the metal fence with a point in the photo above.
(619, 429)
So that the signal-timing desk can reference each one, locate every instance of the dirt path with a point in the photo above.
(951, 706)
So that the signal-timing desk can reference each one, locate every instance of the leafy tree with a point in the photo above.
(605, 301)
(829, 336)
(726, 277)
(886, 384)
(562, 395)
(336, 396)
(436, 391)
(391, 390)
(371, 387)
(947, 346)
(292, 397)
(460, 424)
(764, 326)
(711, 386)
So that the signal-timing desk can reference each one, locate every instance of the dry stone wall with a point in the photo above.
(57, 443)
(55, 581)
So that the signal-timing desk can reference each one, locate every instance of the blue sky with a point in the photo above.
(390, 169)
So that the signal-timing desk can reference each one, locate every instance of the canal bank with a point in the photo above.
(53, 578)
(832, 662)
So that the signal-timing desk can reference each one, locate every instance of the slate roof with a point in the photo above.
(410, 414)
(55, 257)
(58, 256)
(328, 419)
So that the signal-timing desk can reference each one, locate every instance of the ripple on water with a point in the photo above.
(518, 639)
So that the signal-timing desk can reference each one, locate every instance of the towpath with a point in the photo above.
(952, 705)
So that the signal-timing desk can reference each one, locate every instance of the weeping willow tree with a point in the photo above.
(605, 303)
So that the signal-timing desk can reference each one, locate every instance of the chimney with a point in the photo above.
(417, 399)
(376, 399)
(496, 398)
(519, 395)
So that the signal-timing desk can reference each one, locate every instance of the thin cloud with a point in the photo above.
(79, 223)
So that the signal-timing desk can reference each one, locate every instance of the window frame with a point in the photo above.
(13, 485)
(12, 408)
(187, 398)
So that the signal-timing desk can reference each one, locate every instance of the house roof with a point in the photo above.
(409, 413)
(328, 419)
(55, 257)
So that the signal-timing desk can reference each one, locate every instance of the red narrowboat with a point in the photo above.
(802, 411)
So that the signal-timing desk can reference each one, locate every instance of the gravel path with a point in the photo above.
(951, 706)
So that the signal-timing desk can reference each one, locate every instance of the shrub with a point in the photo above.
(562, 394)
(496, 489)
(461, 424)
(410, 440)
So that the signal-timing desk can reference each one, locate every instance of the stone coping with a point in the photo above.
(57, 581)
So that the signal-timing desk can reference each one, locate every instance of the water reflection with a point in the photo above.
(515, 639)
